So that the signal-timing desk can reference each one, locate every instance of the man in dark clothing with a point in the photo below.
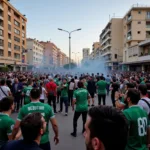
(32, 127)
(16, 91)
(91, 87)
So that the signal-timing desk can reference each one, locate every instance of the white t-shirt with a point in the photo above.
(43, 93)
(71, 86)
(76, 83)
(144, 105)
(6, 90)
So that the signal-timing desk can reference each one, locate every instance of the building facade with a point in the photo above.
(136, 27)
(86, 53)
(35, 53)
(12, 37)
(95, 47)
(111, 40)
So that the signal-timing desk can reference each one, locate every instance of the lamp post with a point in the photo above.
(69, 43)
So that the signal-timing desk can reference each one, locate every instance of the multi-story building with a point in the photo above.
(12, 37)
(86, 53)
(53, 56)
(136, 27)
(35, 52)
(95, 46)
(111, 40)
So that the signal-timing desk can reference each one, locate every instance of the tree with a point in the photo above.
(72, 66)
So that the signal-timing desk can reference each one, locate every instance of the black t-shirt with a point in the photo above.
(21, 145)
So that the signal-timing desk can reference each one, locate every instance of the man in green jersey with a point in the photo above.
(101, 86)
(64, 97)
(139, 130)
(46, 111)
(26, 92)
(6, 123)
(80, 97)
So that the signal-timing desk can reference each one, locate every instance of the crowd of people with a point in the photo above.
(37, 97)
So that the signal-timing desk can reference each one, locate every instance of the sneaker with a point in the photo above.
(92, 105)
(73, 134)
(66, 114)
(55, 112)
(59, 111)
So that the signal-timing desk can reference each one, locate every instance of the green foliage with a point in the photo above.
(4, 69)
(72, 66)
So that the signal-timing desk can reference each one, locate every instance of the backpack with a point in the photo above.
(148, 106)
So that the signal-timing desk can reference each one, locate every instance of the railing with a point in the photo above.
(129, 37)
(147, 26)
(129, 18)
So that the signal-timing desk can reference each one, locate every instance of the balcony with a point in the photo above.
(144, 58)
(129, 38)
(104, 41)
(129, 19)
(148, 17)
(105, 33)
(148, 27)
(1, 16)
(1, 25)
(107, 53)
(108, 45)
(1, 7)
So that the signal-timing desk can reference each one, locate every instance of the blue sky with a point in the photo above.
(45, 16)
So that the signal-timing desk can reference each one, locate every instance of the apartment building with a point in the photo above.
(12, 37)
(35, 52)
(86, 53)
(136, 30)
(111, 40)
(95, 46)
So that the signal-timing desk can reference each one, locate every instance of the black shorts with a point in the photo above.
(92, 95)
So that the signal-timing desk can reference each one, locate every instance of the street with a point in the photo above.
(67, 142)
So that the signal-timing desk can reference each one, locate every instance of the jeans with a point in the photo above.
(58, 96)
(70, 96)
(107, 88)
(52, 98)
(99, 99)
(45, 146)
(75, 119)
(65, 101)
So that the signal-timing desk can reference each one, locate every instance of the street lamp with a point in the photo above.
(69, 43)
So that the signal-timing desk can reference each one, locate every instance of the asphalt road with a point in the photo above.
(67, 142)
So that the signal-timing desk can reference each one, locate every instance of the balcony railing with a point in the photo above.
(1, 7)
(129, 18)
(129, 37)
(148, 26)
(148, 17)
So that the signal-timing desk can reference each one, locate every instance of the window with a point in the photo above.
(139, 32)
(9, 27)
(23, 28)
(139, 22)
(1, 32)
(139, 12)
(9, 54)
(23, 42)
(9, 45)
(16, 15)
(148, 15)
(16, 47)
(9, 9)
(16, 23)
(1, 52)
(16, 56)
(9, 36)
(1, 42)
(17, 39)
(23, 20)
(17, 31)
(23, 35)
(9, 18)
